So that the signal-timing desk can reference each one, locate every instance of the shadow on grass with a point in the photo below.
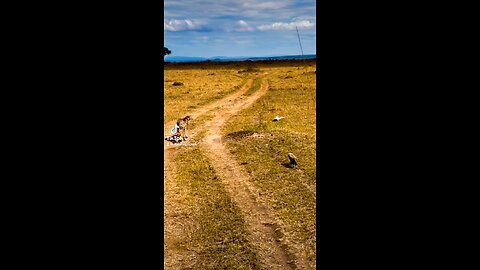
(287, 165)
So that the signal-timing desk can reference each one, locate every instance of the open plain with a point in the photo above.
(232, 201)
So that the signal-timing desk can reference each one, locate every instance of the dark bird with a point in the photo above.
(293, 160)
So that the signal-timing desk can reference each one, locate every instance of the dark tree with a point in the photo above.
(166, 51)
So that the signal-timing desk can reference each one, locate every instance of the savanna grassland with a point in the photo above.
(234, 169)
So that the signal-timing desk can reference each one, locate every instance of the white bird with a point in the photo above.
(278, 118)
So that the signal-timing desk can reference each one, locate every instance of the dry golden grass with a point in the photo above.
(220, 239)
(260, 145)
(200, 86)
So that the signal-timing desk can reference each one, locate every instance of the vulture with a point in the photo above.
(293, 160)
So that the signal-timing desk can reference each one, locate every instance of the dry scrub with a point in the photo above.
(262, 145)
(220, 237)
(198, 88)
(216, 232)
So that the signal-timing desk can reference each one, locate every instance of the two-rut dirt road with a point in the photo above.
(266, 233)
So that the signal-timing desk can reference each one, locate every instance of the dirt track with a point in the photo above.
(266, 233)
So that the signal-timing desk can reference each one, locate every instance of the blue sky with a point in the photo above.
(207, 28)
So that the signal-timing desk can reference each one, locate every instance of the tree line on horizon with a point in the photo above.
(166, 51)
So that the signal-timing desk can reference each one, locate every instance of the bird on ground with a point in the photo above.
(293, 160)
(277, 118)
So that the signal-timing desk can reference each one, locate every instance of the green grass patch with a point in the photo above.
(255, 86)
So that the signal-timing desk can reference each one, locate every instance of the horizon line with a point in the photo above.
(206, 57)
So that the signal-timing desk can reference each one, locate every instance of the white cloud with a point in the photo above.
(242, 26)
(181, 25)
(264, 5)
(238, 26)
(286, 26)
(251, 9)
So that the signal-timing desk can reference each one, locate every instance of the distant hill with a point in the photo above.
(184, 59)
(237, 58)
(285, 57)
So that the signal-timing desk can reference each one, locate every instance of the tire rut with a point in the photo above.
(177, 227)
(266, 231)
